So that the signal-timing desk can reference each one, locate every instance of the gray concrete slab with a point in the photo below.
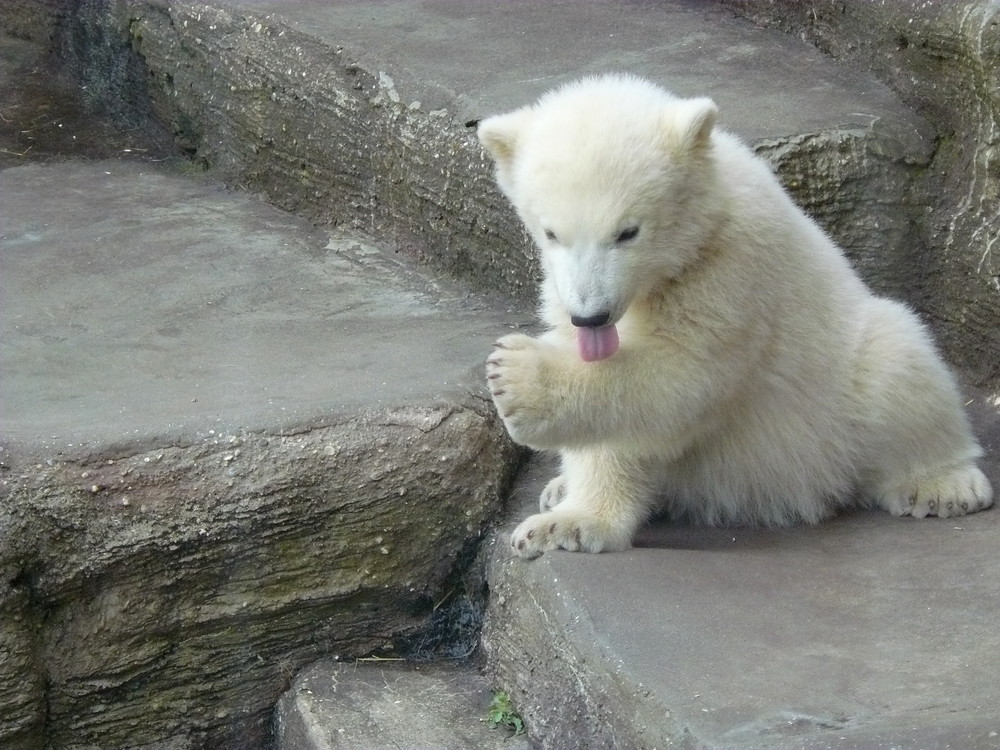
(865, 632)
(478, 58)
(385, 704)
(141, 304)
(266, 443)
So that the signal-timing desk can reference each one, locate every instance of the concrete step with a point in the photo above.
(231, 444)
(380, 704)
(864, 632)
(147, 304)
(355, 113)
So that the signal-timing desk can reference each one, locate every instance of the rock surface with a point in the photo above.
(230, 445)
(865, 633)
(354, 113)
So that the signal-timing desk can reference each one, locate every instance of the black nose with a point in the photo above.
(593, 321)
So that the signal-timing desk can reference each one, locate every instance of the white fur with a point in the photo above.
(758, 380)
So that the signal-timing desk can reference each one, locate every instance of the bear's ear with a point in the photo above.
(499, 135)
(690, 122)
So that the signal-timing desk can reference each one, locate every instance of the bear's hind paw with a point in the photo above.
(953, 493)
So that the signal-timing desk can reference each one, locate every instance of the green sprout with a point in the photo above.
(502, 713)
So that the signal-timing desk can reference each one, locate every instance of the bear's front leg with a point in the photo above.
(605, 498)
(523, 376)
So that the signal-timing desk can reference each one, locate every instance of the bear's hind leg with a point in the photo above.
(922, 447)
(595, 505)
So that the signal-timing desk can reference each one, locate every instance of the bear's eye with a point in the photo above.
(627, 235)
(550, 235)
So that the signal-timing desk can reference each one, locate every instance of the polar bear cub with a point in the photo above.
(710, 352)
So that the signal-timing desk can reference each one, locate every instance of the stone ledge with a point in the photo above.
(310, 115)
(376, 705)
(175, 592)
(230, 445)
(863, 632)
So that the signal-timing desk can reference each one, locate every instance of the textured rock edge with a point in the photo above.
(127, 580)
(567, 693)
(274, 111)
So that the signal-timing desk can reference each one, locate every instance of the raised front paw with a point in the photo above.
(573, 530)
(952, 493)
(514, 373)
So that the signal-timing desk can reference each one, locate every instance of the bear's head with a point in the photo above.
(610, 176)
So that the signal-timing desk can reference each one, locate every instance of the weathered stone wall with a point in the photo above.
(170, 595)
(35, 20)
(275, 112)
(943, 59)
(861, 186)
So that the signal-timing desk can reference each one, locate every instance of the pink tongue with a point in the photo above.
(597, 343)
